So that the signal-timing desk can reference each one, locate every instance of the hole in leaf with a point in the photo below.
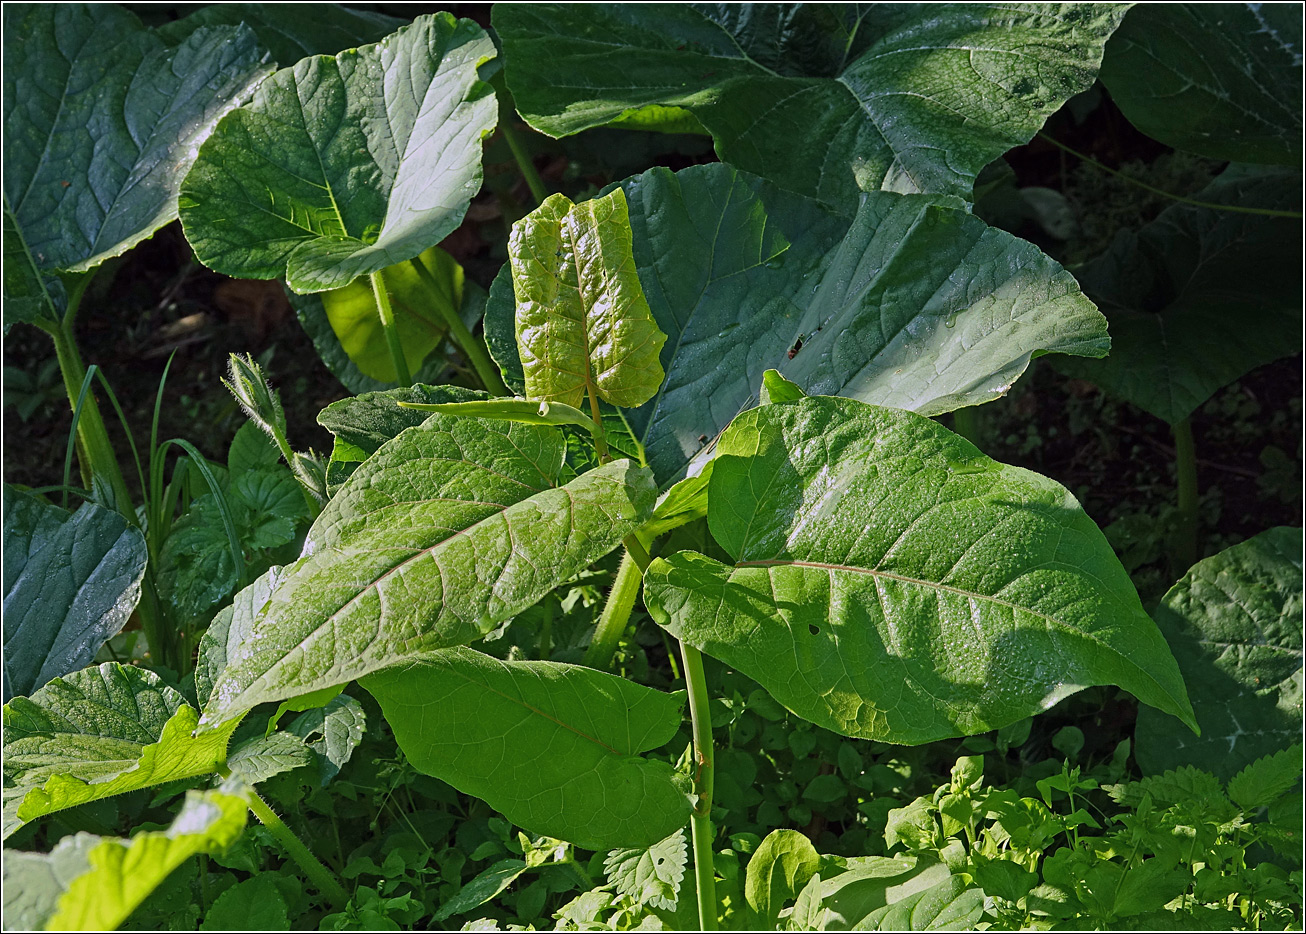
(814, 629)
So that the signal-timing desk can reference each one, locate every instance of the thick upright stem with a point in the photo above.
(391, 330)
(621, 600)
(97, 458)
(473, 347)
(524, 163)
(701, 821)
(1184, 553)
(320, 876)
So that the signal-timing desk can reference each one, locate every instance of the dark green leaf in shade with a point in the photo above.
(29, 297)
(583, 324)
(293, 32)
(90, 883)
(912, 303)
(1223, 80)
(1262, 782)
(100, 732)
(449, 529)
(902, 97)
(501, 329)
(1199, 296)
(71, 581)
(553, 747)
(102, 118)
(255, 904)
(342, 166)
(1234, 623)
(487, 884)
(890, 582)
(650, 875)
(332, 731)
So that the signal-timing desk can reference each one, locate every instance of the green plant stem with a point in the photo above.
(96, 455)
(701, 821)
(967, 423)
(391, 330)
(524, 164)
(472, 346)
(616, 614)
(1236, 208)
(317, 873)
(1185, 547)
(600, 439)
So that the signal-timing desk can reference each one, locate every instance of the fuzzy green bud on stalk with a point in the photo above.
(310, 470)
(250, 387)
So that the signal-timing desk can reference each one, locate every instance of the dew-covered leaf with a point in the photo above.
(1223, 80)
(555, 748)
(102, 118)
(891, 582)
(912, 303)
(340, 167)
(902, 97)
(650, 875)
(1234, 623)
(90, 883)
(1199, 296)
(449, 529)
(100, 732)
(70, 583)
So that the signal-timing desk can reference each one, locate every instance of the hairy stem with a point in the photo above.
(1184, 553)
(1236, 208)
(701, 821)
(317, 873)
(473, 347)
(391, 330)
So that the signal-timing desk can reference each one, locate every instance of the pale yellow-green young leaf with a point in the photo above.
(582, 320)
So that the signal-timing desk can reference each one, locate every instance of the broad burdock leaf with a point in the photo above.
(413, 301)
(1199, 296)
(71, 581)
(913, 303)
(100, 732)
(891, 582)
(1223, 80)
(445, 532)
(778, 870)
(650, 875)
(29, 297)
(873, 882)
(102, 119)
(583, 324)
(342, 166)
(229, 630)
(293, 32)
(946, 906)
(555, 748)
(90, 883)
(902, 97)
(1234, 623)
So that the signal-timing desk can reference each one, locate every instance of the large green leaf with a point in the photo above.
(221, 642)
(1223, 80)
(100, 732)
(1234, 623)
(777, 871)
(447, 530)
(892, 583)
(583, 324)
(554, 747)
(903, 97)
(292, 32)
(342, 166)
(356, 324)
(1199, 296)
(102, 118)
(70, 582)
(90, 883)
(28, 296)
(912, 303)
